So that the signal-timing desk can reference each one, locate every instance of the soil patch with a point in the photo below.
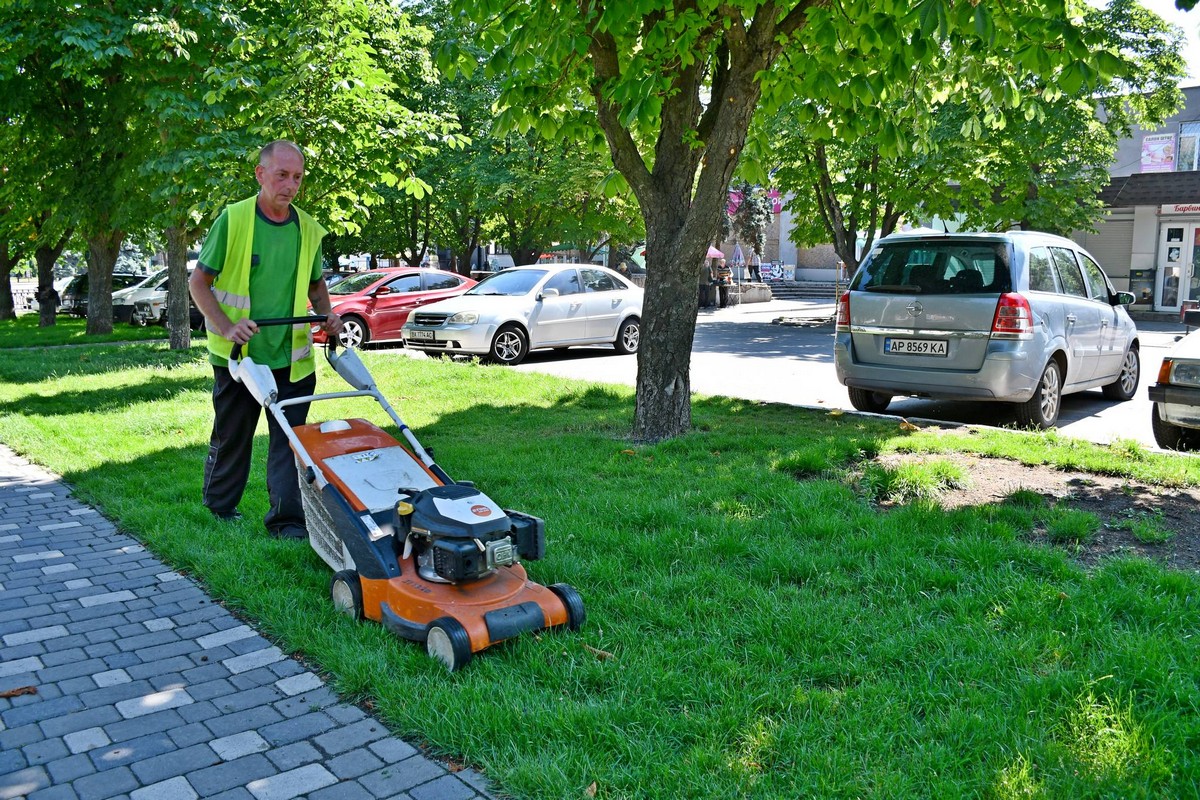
(1117, 502)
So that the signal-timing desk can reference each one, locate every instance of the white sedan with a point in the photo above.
(528, 308)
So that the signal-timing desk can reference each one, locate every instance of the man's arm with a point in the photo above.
(318, 295)
(200, 286)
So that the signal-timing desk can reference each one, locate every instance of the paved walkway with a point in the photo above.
(120, 678)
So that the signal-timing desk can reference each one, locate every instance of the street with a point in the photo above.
(739, 351)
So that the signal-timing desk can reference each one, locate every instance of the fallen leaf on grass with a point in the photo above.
(20, 691)
(590, 791)
(905, 425)
(629, 452)
(602, 655)
(837, 412)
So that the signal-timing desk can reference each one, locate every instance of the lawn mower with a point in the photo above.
(432, 559)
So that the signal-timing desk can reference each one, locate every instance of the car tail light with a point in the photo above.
(843, 312)
(1013, 317)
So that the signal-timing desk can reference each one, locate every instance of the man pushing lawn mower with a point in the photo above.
(262, 257)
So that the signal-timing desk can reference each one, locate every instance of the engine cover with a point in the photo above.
(455, 511)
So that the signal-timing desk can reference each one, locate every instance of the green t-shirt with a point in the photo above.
(275, 251)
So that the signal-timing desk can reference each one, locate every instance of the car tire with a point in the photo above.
(510, 346)
(866, 400)
(1126, 384)
(1170, 436)
(629, 336)
(1041, 410)
(446, 640)
(345, 590)
(355, 332)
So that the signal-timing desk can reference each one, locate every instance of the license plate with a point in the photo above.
(916, 347)
(426, 336)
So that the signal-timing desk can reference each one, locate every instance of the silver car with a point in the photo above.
(509, 313)
(1017, 317)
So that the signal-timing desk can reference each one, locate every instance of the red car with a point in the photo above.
(374, 305)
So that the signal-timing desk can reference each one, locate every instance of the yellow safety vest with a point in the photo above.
(232, 285)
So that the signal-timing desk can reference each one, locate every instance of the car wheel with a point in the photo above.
(629, 336)
(1168, 435)
(1041, 410)
(447, 641)
(510, 346)
(1126, 384)
(355, 332)
(865, 400)
(346, 592)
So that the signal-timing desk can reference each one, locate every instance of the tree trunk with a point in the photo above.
(178, 299)
(103, 249)
(45, 256)
(7, 308)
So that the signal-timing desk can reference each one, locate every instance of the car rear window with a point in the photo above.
(941, 267)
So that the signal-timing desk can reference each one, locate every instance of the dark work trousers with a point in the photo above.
(235, 416)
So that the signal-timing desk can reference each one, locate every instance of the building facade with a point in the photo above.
(1149, 241)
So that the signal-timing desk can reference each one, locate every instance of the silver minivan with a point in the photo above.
(1017, 317)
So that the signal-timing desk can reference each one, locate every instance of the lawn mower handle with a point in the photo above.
(236, 353)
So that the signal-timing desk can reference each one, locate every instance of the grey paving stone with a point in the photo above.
(343, 790)
(392, 749)
(349, 737)
(251, 719)
(445, 788)
(190, 734)
(357, 762)
(131, 750)
(211, 780)
(45, 751)
(240, 701)
(61, 792)
(23, 782)
(106, 785)
(13, 760)
(291, 784)
(295, 729)
(128, 729)
(175, 763)
(294, 755)
(401, 776)
(170, 789)
(68, 769)
(79, 721)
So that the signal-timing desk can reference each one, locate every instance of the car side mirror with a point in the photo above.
(382, 290)
(1125, 299)
(542, 295)
(1191, 318)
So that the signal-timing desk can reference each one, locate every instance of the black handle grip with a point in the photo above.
(236, 353)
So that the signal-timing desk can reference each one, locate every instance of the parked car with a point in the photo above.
(1175, 417)
(124, 299)
(375, 304)
(150, 302)
(148, 309)
(1018, 317)
(527, 308)
(75, 297)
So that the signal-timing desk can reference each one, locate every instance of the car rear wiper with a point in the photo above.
(895, 288)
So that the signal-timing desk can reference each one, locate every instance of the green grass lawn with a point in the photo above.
(756, 628)
(24, 332)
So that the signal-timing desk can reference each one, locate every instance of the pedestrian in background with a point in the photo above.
(707, 289)
(723, 277)
(261, 259)
(755, 264)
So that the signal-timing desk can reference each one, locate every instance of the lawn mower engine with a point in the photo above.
(456, 534)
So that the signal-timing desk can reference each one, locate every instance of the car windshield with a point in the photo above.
(510, 282)
(940, 267)
(354, 283)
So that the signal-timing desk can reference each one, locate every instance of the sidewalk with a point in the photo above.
(120, 678)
